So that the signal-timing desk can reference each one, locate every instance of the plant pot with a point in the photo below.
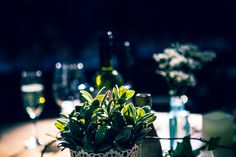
(135, 151)
(151, 147)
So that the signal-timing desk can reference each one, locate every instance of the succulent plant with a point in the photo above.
(106, 121)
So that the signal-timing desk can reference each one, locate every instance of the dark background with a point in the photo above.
(38, 33)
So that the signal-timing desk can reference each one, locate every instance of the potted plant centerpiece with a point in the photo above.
(105, 126)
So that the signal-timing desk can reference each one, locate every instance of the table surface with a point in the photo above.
(12, 138)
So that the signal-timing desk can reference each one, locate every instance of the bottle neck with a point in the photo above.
(125, 60)
(106, 56)
(105, 49)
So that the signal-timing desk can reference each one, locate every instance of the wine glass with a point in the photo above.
(33, 101)
(68, 81)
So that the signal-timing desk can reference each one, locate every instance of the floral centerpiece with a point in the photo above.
(178, 64)
(105, 127)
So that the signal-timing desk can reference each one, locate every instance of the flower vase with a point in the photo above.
(135, 151)
(178, 119)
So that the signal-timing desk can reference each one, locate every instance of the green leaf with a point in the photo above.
(132, 109)
(100, 97)
(119, 146)
(137, 127)
(179, 149)
(88, 143)
(117, 88)
(118, 120)
(110, 106)
(114, 93)
(91, 129)
(105, 97)
(60, 126)
(129, 94)
(95, 103)
(86, 95)
(184, 149)
(124, 134)
(64, 145)
(83, 109)
(129, 113)
(64, 115)
(129, 110)
(138, 138)
(90, 111)
(75, 128)
(213, 143)
(100, 134)
(125, 110)
(99, 116)
(100, 91)
(148, 118)
(63, 121)
(122, 90)
(147, 109)
(146, 130)
(121, 100)
(103, 147)
(66, 136)
(140, 112)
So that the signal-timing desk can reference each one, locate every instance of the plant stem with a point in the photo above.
(46, 147)
(198, 139)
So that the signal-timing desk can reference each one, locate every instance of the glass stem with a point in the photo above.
(34, 128)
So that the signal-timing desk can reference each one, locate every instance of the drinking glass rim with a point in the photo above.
(31, 73)
(69, 65)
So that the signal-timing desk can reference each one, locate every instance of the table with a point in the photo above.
(11, 142)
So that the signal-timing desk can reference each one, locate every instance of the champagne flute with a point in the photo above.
(68, 81)
(33, 101)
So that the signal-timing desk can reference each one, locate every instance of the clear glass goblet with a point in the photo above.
(68, 79)
(33, 102)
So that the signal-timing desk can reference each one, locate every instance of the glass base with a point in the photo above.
(33, 142)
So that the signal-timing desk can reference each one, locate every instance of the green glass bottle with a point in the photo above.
(107, 77)
(142, 99)
(125, 62)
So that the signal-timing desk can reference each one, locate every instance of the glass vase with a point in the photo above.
(178, 119)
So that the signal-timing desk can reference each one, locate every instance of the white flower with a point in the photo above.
(171, 52)
(185, 48)
(163, 65)
(162, 73)
(193, 64)
(160, 57)
(183, 78)
(178, 76)
(177, 61)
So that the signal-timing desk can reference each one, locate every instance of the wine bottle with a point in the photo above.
(107, 77)
(125, 61)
